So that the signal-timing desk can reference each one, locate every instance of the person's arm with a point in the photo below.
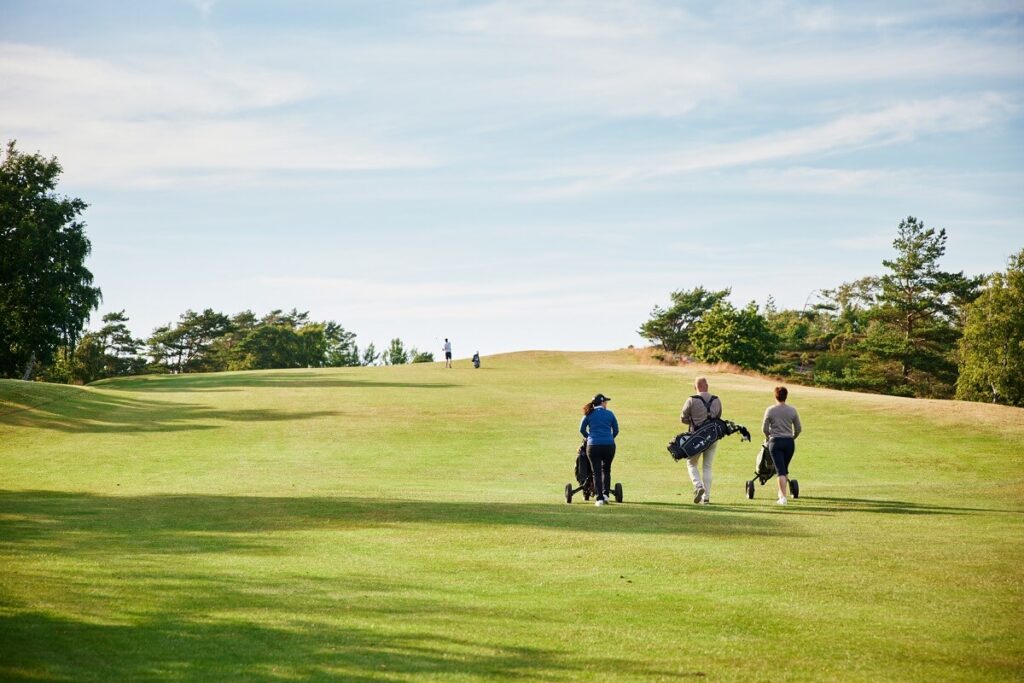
(719, 415)
(584, 423)
(615, 426)
(766, 423)
(684, 416)
(797, 428)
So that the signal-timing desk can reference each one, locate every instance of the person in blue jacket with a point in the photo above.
(600, 428)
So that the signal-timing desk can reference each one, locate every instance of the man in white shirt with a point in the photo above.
(697, 410)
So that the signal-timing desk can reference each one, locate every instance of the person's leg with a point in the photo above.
(709, 458)
(596, 455)
(608, 471)
(698, 485)
(779, 448)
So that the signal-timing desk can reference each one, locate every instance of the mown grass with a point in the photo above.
(407, 523)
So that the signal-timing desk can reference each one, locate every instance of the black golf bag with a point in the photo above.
(764, 469)
(585, 478)
(689, 444)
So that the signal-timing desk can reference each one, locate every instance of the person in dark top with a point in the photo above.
(600, 428)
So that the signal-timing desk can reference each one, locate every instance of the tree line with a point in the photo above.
(214, 342)
(912, 330)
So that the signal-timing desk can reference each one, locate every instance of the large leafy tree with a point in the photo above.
(46, 292)
(992, 346)
(670, 327)
(111, 351)
(726, 334)
(925, 306)
(188, 345)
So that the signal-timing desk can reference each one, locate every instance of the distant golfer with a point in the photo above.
(697, 410)
(781, 426)
(447, 353)
(600, 428)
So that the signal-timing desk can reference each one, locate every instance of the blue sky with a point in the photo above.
(514, 175)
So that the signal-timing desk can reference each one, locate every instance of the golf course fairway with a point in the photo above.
(409, 523)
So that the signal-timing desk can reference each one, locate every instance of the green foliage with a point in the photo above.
(370, 355)
(186, 346)
(46, 292)
(725, 334)
(212, 341)
(340, 347)
(396, 353)
(422, 357)
(670, 328)
(992, 347)
(920, 309)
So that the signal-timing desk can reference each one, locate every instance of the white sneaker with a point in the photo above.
(782, 500)
(706, 501)
(698, 495)
(600, 502)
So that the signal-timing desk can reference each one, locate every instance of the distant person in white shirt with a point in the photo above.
(781, 426)
(447, 353)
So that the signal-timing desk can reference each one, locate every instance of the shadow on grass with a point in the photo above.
(98, 412)
(137, 605)
(894, 507)
(86, 524)
(292, 379)
(175, 647)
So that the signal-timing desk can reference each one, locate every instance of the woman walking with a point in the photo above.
(600, 428)
(781, 426)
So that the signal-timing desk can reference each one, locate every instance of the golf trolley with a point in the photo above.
(765, 470)
(585, 478)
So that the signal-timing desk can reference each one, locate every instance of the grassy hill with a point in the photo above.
(407, 523)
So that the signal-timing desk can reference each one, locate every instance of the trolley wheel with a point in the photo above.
(750, 489)
(794, 488)
(617, 492)
(568, 493)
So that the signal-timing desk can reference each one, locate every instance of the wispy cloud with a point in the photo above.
(897, 123)
(172, 122)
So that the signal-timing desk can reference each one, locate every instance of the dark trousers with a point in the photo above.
(782, 449)
(601, 465)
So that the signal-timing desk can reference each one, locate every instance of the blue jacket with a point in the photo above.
(600, 427)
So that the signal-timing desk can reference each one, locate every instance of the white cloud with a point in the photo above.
(163, 123)
(900, 122)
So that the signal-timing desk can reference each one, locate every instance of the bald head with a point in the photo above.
(701, 384)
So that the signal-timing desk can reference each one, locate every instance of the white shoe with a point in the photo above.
(706, 501)
(782, 500)
(698, 495)
(600, 502)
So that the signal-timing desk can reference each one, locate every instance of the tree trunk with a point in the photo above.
(28, 368)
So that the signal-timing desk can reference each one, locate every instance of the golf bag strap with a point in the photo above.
(707, 406)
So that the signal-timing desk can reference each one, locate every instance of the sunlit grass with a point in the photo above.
(408, 523)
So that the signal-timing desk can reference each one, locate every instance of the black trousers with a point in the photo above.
(601, 465)
(782, 449)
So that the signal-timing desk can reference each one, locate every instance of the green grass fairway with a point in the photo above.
(408, 523)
